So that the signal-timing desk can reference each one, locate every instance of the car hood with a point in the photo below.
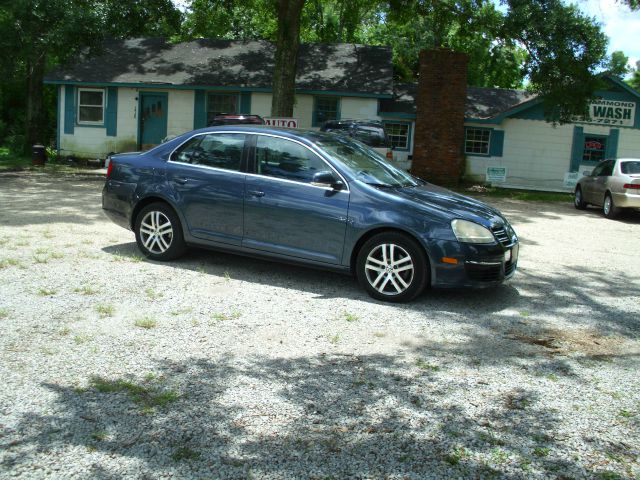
(451, 204)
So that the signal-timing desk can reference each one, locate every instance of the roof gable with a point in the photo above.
(230, 63)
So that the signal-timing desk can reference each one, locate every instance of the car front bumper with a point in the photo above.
(475, 266)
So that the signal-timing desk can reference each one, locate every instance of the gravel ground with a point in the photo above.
(218, 366)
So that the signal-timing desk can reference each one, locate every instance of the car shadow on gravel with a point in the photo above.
(326, 416)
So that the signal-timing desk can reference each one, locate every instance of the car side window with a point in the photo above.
(281, 158)
(217, 150)
(607, 171)
(597, 171)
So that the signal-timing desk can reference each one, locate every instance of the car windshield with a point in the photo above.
(630, 168)
(364, 163)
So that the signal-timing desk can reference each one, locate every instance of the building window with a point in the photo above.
(325, 109)
(477, 141)
(398, 135)
(594, 148)
(91, 106)
(218, 103)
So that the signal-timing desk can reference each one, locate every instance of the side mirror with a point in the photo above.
(328, 180)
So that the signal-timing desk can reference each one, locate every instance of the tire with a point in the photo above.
(578, 201)
(377, 274)
(608, 207)
(159, 233)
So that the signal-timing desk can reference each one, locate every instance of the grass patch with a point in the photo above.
(85, 290)
(334, 339)
(47, 292)
(80, 339)
(105, 310)
(146, 323)
(148, 397)
(99, 436)
(9, 262)
(185, 453)
(517, 194)
(153, 295)
(626, 414)
(541, 452)
(4, 313)
(456, 455)
(350, 317)
(422, 364)
(11, 161)
(221, 316)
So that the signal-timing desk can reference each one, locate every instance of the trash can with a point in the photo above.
(38, 156)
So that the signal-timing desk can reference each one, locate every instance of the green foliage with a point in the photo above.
(565, 51)
(618, 64)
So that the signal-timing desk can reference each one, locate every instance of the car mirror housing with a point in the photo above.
(328, 180)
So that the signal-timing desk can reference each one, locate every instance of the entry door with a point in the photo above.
(284, 213)
(153, 119)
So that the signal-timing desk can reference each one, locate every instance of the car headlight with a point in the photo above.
(469, 232)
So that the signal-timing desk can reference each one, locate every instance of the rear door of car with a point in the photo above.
(287, 215)
(587, 183)
(207, 174)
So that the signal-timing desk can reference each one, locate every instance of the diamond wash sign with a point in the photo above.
(612, 112)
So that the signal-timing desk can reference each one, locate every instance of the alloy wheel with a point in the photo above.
(156, 232)
(607, 205)
(389, 269)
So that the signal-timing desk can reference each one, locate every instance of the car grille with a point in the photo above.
(509, 268)
(501, 234)
(484, 273)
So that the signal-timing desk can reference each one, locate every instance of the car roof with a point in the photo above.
(293, 133)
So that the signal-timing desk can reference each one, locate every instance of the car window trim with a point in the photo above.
(254, 165)
(250, 163)
(244, 160)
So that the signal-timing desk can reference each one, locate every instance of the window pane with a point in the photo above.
(90, 114)
(398, 134)
(281, 158)
(632, 168)
(477, 141)
(187, 151)
(326, 109)
(221, 103)
(91, 98)
(594, 149)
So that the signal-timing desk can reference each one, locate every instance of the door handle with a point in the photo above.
(256, 193)
(180, 180)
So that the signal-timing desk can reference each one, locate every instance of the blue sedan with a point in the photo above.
(312, 198)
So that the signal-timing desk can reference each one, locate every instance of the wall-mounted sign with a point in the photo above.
(571, 178)
(612, 112)
(496, 174)
(282, 122)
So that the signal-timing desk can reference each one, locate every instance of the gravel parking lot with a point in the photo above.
(218, 366)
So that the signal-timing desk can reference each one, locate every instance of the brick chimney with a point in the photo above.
(439, 131)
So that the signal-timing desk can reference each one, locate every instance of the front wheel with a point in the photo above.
(578, 200)
(392, 267)
(159, 233)
(608, 207)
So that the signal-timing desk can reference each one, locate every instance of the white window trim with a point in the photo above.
(85, 122)
(407, 135)
(488, 142)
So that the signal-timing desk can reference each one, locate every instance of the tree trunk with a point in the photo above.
(34, 116)
(287, 46)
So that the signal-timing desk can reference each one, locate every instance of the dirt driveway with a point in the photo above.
(218, 366)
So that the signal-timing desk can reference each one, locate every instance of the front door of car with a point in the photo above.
(207, 176)
(284, 212)
(600, 182)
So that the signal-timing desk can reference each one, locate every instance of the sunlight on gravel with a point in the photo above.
(217, 366)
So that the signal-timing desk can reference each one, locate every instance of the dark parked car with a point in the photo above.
(308, 197)
(369, 132)
(227, 119)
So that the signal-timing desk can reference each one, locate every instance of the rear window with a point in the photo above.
(630, 168)
(372, 136)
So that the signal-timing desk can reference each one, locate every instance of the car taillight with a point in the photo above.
(110, 169)
(632, 186)
(389, 155)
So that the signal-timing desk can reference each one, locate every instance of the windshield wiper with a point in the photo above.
(382, 185)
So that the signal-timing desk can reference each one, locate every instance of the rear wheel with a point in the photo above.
(392, 267)
(608, 207)
(159, 233)
(578, 200)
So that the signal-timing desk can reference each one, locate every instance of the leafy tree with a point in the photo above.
(618, 64)
(635, 79)
(565, 50)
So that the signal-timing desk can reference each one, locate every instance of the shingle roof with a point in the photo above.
(229, 63)
(481, 103)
